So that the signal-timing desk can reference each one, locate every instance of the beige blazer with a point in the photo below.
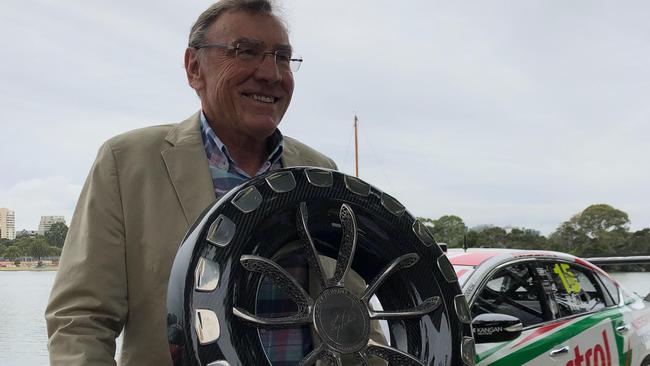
(143, 192)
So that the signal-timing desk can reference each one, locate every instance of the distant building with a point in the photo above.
(22, 233)
(47, 222)
(7, 224)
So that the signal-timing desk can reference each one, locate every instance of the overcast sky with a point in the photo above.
(516, 113)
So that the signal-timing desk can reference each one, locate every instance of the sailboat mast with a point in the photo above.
(356, 147)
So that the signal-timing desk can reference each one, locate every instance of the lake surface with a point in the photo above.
(23, 296)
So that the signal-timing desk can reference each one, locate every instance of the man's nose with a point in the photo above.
(268, 69)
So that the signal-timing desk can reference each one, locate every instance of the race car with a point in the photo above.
(547, 308)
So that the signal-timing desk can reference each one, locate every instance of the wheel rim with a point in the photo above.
(219, 268)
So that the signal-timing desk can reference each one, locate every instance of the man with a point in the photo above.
(148, 186)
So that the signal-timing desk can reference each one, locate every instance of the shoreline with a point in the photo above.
(28, 269)
(29, 266)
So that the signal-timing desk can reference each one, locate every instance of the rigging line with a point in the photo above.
(347, 151)
(381, 166)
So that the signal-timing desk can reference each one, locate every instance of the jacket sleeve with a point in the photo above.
(88, 303)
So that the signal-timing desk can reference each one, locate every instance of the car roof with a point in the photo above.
(475, 257)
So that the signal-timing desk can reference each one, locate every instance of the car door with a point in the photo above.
(588, 326)
(514, 289)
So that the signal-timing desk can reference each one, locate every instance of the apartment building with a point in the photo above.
(47, 222)
(7, 224)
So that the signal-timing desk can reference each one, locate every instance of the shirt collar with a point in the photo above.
(213, 144)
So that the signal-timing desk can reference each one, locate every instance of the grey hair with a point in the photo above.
(211, 14)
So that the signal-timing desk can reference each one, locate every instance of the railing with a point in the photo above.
(638, 259)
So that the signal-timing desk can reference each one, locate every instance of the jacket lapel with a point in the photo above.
(291, 155)
(187, 166)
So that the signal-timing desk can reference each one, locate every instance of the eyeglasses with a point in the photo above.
(252, 53)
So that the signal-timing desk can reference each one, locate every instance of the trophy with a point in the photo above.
(378, 290)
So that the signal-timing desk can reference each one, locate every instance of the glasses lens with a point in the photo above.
(247, 51)
(295, 62)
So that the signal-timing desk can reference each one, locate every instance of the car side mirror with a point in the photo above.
(494, 327)
(647, 297)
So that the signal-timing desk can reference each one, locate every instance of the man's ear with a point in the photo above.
(193, 69)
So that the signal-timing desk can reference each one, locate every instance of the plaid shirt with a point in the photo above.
(283, 347)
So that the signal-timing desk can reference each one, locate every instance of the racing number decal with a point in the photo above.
(568, 278)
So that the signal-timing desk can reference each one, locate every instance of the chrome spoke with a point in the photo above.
(308, 243)
(321, 354)
(281, 278)
(313, 356)
(348, 245)
(424, 308)
(360, 359)
(292, 321)
(405, 261)
(392, 355)
(332, 359)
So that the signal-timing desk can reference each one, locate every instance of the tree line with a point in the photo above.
(598, 231)
(36, 247)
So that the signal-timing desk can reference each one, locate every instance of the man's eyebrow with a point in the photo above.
(248, 40)
(277, 46)
(282, 46)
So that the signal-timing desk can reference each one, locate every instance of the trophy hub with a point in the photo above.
(341, 320)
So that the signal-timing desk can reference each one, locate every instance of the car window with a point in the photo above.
(574, 288)
(513, 291)
(611, 287)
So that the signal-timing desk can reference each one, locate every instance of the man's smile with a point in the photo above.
(261, 97)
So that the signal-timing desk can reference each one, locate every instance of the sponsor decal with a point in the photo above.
(487, 331)
(567, 277)
(592, 342)
(598, 355)
(641, 321)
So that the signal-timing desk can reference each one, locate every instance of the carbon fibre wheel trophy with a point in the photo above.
(328, 218)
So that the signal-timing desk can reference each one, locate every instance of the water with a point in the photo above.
(23, 338)
(23, 296)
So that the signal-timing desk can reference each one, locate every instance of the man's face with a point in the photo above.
(246, 98)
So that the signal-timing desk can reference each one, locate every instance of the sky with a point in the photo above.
(509, 113)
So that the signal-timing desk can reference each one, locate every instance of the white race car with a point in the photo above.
(547, 308)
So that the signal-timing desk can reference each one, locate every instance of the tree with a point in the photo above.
(638, 243)
(597, 230)
(56, 235)
(449, 229)
(37, 249)
(596, 220)
(525, 239)
(491, 237)
(13, 252)
(4, 244)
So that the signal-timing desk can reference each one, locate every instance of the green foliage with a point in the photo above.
(13, 252)
(449, 229)
(598, 231)
(56, 235)
(38, 249)
(525, 239)
(596, 220)
(4, 244)
(637, 244)
(497, 237)
(494, 237)
(31, 246)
